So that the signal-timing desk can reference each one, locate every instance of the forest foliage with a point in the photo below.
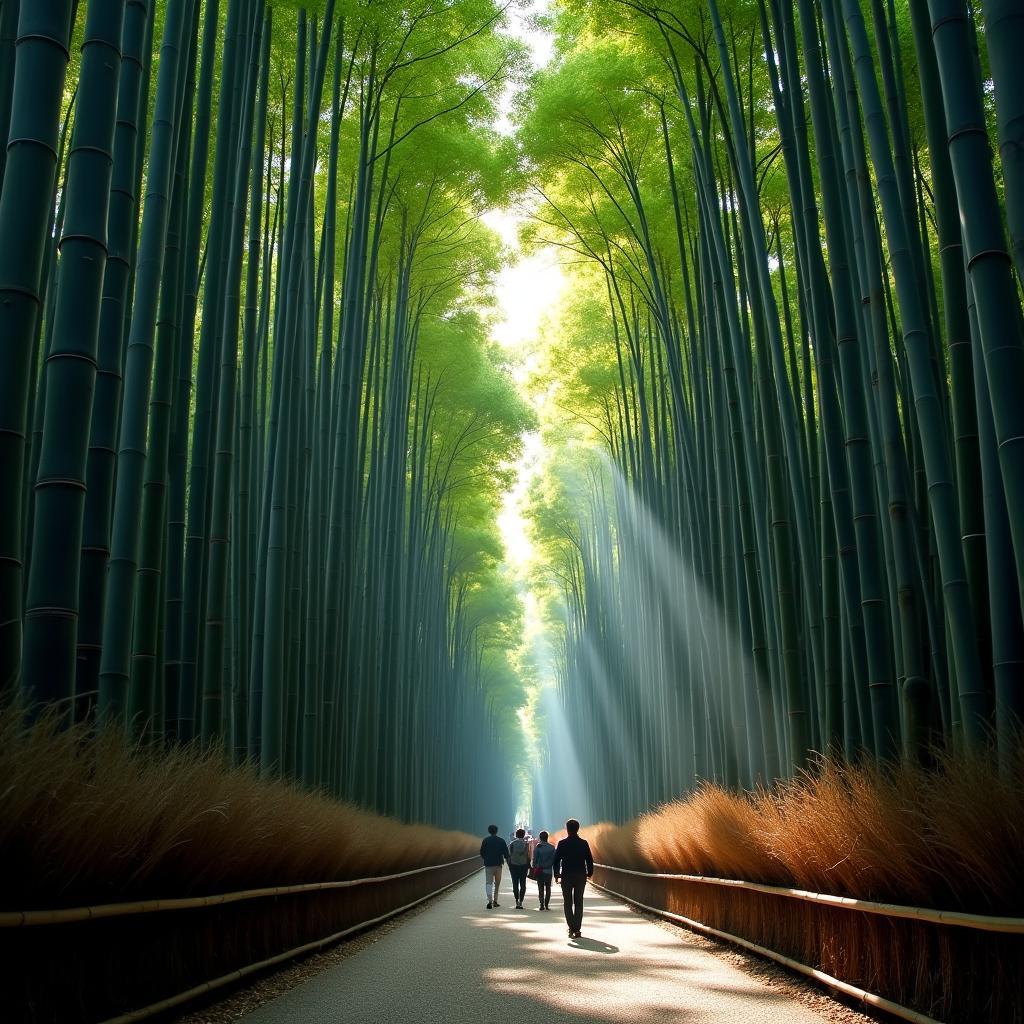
(781, 511)
(255, 436)
(252, 459)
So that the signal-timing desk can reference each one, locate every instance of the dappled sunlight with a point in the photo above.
(621, 969)
(591, 997)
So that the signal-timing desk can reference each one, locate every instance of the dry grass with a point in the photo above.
(951, 837)
(87, 818)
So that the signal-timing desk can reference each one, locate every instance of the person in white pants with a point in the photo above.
(494, 852)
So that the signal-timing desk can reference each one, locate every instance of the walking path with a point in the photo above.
(458, 963)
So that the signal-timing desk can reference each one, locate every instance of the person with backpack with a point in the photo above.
(494, 851)
(518, 865)
(573, 865)
(543, 858)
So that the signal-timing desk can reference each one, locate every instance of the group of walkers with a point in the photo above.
(570, 864)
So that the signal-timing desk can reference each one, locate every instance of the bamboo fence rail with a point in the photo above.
(980, 922)
(145, 1012)
(870, 999)
(27, 918)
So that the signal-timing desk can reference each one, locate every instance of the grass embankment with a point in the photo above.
(88, 819)
(951, 838)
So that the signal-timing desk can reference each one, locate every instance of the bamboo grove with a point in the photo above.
(784, 510)
(253, 435)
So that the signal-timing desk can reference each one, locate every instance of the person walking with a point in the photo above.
(572, 866)
(518, 865)
(494, 851)
(543, 858)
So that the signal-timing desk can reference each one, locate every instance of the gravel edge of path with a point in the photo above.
(235, 1004)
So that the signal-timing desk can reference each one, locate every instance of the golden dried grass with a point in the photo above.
(950, 837)
(89, 818)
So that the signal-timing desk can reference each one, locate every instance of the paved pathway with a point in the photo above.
(458, 963)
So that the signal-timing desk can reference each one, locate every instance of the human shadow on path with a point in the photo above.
(594, 945)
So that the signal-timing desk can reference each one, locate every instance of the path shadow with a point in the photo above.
(594, 945)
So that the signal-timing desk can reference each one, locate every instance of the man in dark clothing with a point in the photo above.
(573, 865)
(494, 851)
